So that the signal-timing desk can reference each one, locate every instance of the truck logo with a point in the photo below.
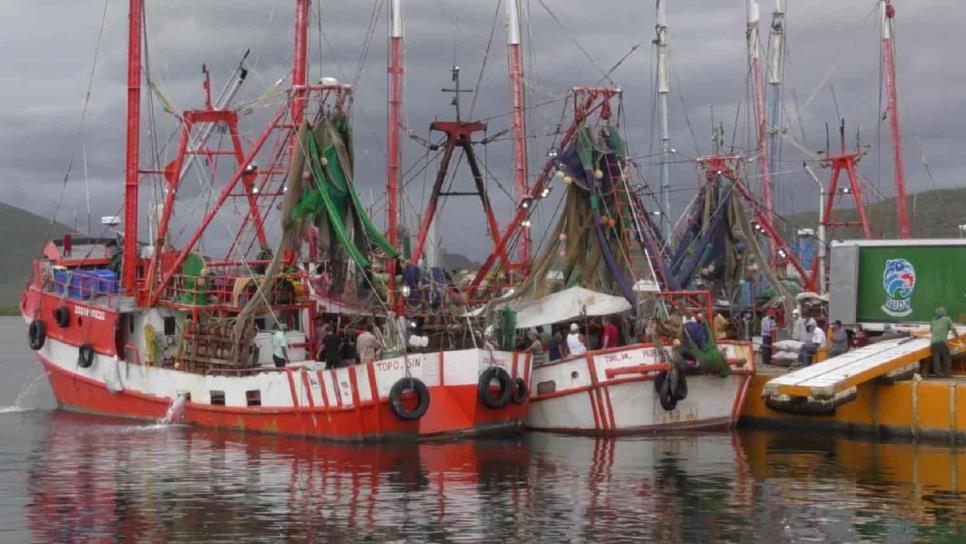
(899, 280)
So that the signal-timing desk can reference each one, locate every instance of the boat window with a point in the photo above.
(217, 398)
(169, 326)
(254, 397)
(547, 387)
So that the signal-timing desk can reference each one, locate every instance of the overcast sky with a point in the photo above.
(49, 47)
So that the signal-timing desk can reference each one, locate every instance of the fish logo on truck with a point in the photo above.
(899, 280)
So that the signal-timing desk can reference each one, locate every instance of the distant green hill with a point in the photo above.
(21, 241)
(932, 214)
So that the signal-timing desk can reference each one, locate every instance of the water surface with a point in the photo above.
(70, 478)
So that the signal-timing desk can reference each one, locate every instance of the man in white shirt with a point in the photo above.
(816, 339)
(767, 336)
(280, 347)
(798, 331)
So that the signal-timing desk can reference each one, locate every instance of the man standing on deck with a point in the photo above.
(942, 362)
(720, 326)
(767, 331)
(367, 345)
(576, 343)
(280, 347)
(611, 336)
(798, 331)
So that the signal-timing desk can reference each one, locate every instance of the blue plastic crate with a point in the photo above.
(107, 283)
(83, 284)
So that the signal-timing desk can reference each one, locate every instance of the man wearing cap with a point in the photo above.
(767, 331)
(939, 328)
(576, 343)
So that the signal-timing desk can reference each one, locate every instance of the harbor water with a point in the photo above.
(73, 478)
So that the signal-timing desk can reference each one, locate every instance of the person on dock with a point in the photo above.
(767, 331)
(544, 336)
(576, 343)
(840, 339)
(280, 347)
(367, 345)
(816, 339)
(939, 329)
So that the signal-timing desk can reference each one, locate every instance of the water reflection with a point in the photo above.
(92, 481)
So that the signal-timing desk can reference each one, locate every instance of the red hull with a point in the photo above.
(370, 422)
(455, 410)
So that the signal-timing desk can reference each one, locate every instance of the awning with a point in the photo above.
(571, 303)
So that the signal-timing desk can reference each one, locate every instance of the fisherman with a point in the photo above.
(939, 328)
(720, 326)
(557, 348)
(798, 330)
(544, 336)
(331, 348)
(840, 339)
(697, 331)
(280, 346)
(367, 345)
(767, 330)
(535, 347)
(611, 336)
(576, 343)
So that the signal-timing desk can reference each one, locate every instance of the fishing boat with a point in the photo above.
(161, 329)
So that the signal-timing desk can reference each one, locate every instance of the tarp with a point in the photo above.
(571, 303)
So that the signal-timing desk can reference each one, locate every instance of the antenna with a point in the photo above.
(456, 90)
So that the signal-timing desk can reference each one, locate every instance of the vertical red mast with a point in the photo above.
(300, 62)
(761, 122)
(519, 121)
(130, 261)
(899, 169)
(393, 158)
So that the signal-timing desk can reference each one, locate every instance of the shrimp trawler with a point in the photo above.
(132, 330)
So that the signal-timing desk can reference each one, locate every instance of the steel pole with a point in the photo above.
(663, 89)
(899, 169)
(518, 122)
(393, 147)
(131, 175)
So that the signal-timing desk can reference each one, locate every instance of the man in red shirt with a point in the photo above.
(611, 335)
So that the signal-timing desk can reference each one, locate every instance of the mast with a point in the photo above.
(519, 121)
(130, 260)
(888, 13)
(761, 122)
(393, 149)
(663, 88)
(776, 61)
(300, 62)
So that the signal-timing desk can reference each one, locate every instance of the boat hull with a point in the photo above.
(456, 409)
(612, 392)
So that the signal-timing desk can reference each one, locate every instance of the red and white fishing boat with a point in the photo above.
(143, 330)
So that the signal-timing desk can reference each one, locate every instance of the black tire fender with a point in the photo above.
(505, 389)
(396, 401)
(665, 391)
(681, 391)
(85, 356)
(36, 334)
(520, 391)
(62, 317)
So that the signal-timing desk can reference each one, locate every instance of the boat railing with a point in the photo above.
(233, 291)
(92, 285)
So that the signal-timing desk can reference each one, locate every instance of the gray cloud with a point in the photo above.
(48, 48)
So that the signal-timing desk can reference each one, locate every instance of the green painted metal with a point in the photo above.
(907, 283)
(193, 270)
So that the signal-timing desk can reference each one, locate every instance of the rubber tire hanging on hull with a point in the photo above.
(485, 392)
(520, 391)
(36, 334)
(85, 356)
(667, 386)
(62, 317)
(396, 401)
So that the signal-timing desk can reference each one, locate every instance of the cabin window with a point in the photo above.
(217, 398)
(254, 397)
(547, 387)
(169, 326)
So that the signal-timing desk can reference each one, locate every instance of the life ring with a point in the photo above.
(36, 334)
(85, 356)
(520, 391)
(396, 399)
(62, 317)
(504, 391)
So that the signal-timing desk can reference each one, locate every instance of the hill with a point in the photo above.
(22, 235)
(932, 214)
